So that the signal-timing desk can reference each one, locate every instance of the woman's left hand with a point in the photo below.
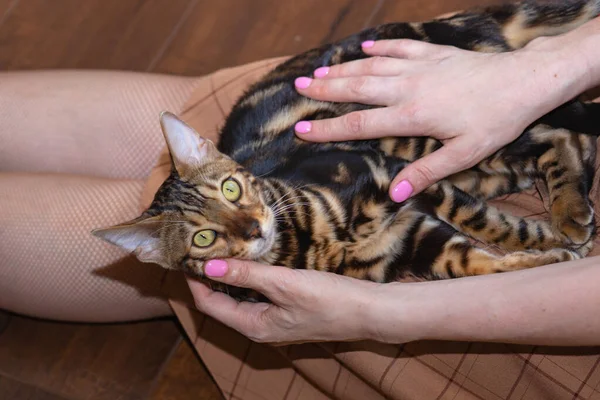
(307, 305)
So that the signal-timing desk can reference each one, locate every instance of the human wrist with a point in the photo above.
(553, 77)
(571, 57)
(588, 51)
(398, 313)
(439, 310)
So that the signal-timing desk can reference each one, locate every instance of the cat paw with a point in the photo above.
(239, 294)
(584, 249)
(573, 220)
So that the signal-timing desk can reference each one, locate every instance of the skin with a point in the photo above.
(557, 302)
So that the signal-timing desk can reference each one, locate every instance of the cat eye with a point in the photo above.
(231, 190)
(205, 238)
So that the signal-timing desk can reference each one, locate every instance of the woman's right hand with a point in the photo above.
(474, 103)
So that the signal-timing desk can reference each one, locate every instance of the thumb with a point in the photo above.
(245, 274)
(426, 171)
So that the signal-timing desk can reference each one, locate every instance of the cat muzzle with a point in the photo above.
(253, 231)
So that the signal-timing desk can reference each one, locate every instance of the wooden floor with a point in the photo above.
(41, 360)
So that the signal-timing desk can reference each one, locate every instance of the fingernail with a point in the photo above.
(215, 268)
(368, 43)
(303, 127)
(303, 82)
(402, 191)
(321, 72)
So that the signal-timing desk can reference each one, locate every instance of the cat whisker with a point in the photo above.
(268, 172)
(290, 212)
(292, 191)
(284, 199)
(279, 211)
(288, 206)
(300, 203)
(297, 213)
(292, 204)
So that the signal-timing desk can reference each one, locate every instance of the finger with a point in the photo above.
(426, 171)
(375, 90)
(405, 48)
(247, 274)
(359, 125)
(373, 66)
(244, 317)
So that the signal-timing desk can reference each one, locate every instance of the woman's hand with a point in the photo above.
(307, 305)
(517, 307)
(474, 103)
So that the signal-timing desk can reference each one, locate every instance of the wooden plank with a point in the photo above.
(13, 390)
(359, 15)
(112, 361)
(418, 10)
(228, 33)
(184, 377)
(109, 34)
(6, 7)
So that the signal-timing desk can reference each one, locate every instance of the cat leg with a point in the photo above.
(408, 148)
(484, 186)
(461, 258)
(491, 178)
(238, 293)
(568, 167)
(434, 249)
(489, 225)
(500, 174)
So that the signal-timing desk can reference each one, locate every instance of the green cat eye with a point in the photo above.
(231, 190)
(205, 238)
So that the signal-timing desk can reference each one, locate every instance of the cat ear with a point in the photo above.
(188, 149)
(139, 236)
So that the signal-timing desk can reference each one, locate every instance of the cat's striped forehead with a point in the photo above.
(193, 193)
(177, 195)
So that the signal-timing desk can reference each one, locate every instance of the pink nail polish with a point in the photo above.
(215, 268)
(402, 191)
(368, 43)
(321, 72)
(303, 127)
(303, 82)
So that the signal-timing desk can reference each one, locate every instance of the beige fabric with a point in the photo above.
(75, 149)
(368, 370)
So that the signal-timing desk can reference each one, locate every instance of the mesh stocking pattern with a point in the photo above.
(76, 148)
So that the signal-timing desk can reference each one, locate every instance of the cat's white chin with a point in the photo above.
(261, 247)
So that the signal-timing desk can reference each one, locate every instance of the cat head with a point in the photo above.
(209, 207)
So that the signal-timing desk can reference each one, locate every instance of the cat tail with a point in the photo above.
(575, 116)
(521, 22)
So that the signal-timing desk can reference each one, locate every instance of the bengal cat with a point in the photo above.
(263, 194)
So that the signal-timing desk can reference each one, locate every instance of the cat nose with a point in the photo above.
(254, 231)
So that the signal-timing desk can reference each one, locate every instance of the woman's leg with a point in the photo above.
(97, 123)
(51, 267)
(75, 148)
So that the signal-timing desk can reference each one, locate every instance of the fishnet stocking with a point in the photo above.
(75, 148)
